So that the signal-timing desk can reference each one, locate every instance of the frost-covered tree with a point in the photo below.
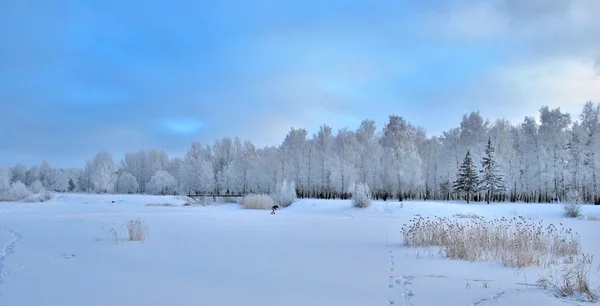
(295, 149)
(323, 142)
(344, 170)
(5, 178)
(361, 195)
(19, 173)
(553, 133)
(45, 174)
(162, 183)
(126, 183)
(267, 172)
(58, 180)
(103, 173)
(200, 174)
(138, 165)
(467, 179)
(541, 159)
(473, 131)
(400, 162)
(492, 179)
(369, 152)
(37, 187)
(72, 185)
(590, 128)
(239, 173)
(285, 194)
(221, 157)
(33, 175)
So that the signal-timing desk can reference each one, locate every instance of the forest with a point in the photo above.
(537, 160)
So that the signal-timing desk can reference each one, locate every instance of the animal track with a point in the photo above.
(6, 251)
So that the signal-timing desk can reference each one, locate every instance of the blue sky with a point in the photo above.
(78, 77)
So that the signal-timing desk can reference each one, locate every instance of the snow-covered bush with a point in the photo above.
(285, 194)
(17, 192)
(257, 201)
(572, 208)
(361, 196)
(162, 183)
(40, 194)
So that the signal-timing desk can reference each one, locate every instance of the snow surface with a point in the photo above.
(315, 252)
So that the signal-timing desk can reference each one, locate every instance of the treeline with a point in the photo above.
(540, 160)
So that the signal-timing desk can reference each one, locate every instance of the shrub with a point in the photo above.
(285, 194)
(572, 210)
(137, 230)
(17, 192)
(572, 279)
(593, 216)
(257, 201)
(516, 242)
(361, 196)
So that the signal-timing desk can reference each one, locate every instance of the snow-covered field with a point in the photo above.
(316, 252)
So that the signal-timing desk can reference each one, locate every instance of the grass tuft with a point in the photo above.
(137, 230)
(572, 279)
(593, 216)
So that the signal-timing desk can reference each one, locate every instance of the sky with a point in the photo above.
(79, 77)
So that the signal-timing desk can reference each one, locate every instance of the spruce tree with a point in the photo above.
(492, 179)
(467, 180)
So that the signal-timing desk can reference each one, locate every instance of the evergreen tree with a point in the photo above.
(492, 179)
(72, 185)
(467, 180)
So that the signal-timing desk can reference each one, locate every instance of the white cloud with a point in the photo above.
(475, 21)
(566, 83)
(521, 89)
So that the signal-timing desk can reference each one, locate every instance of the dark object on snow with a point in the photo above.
(276, 207)
(113, 202)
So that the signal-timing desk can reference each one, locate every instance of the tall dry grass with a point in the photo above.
(517, 242)
(257, 201)
(572, 279)
(137, 230)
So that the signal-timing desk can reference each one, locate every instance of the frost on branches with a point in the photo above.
(492, 179)
(285, 194)
(467, 180)
(127, 183)
(361, 196)
(162, 183)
